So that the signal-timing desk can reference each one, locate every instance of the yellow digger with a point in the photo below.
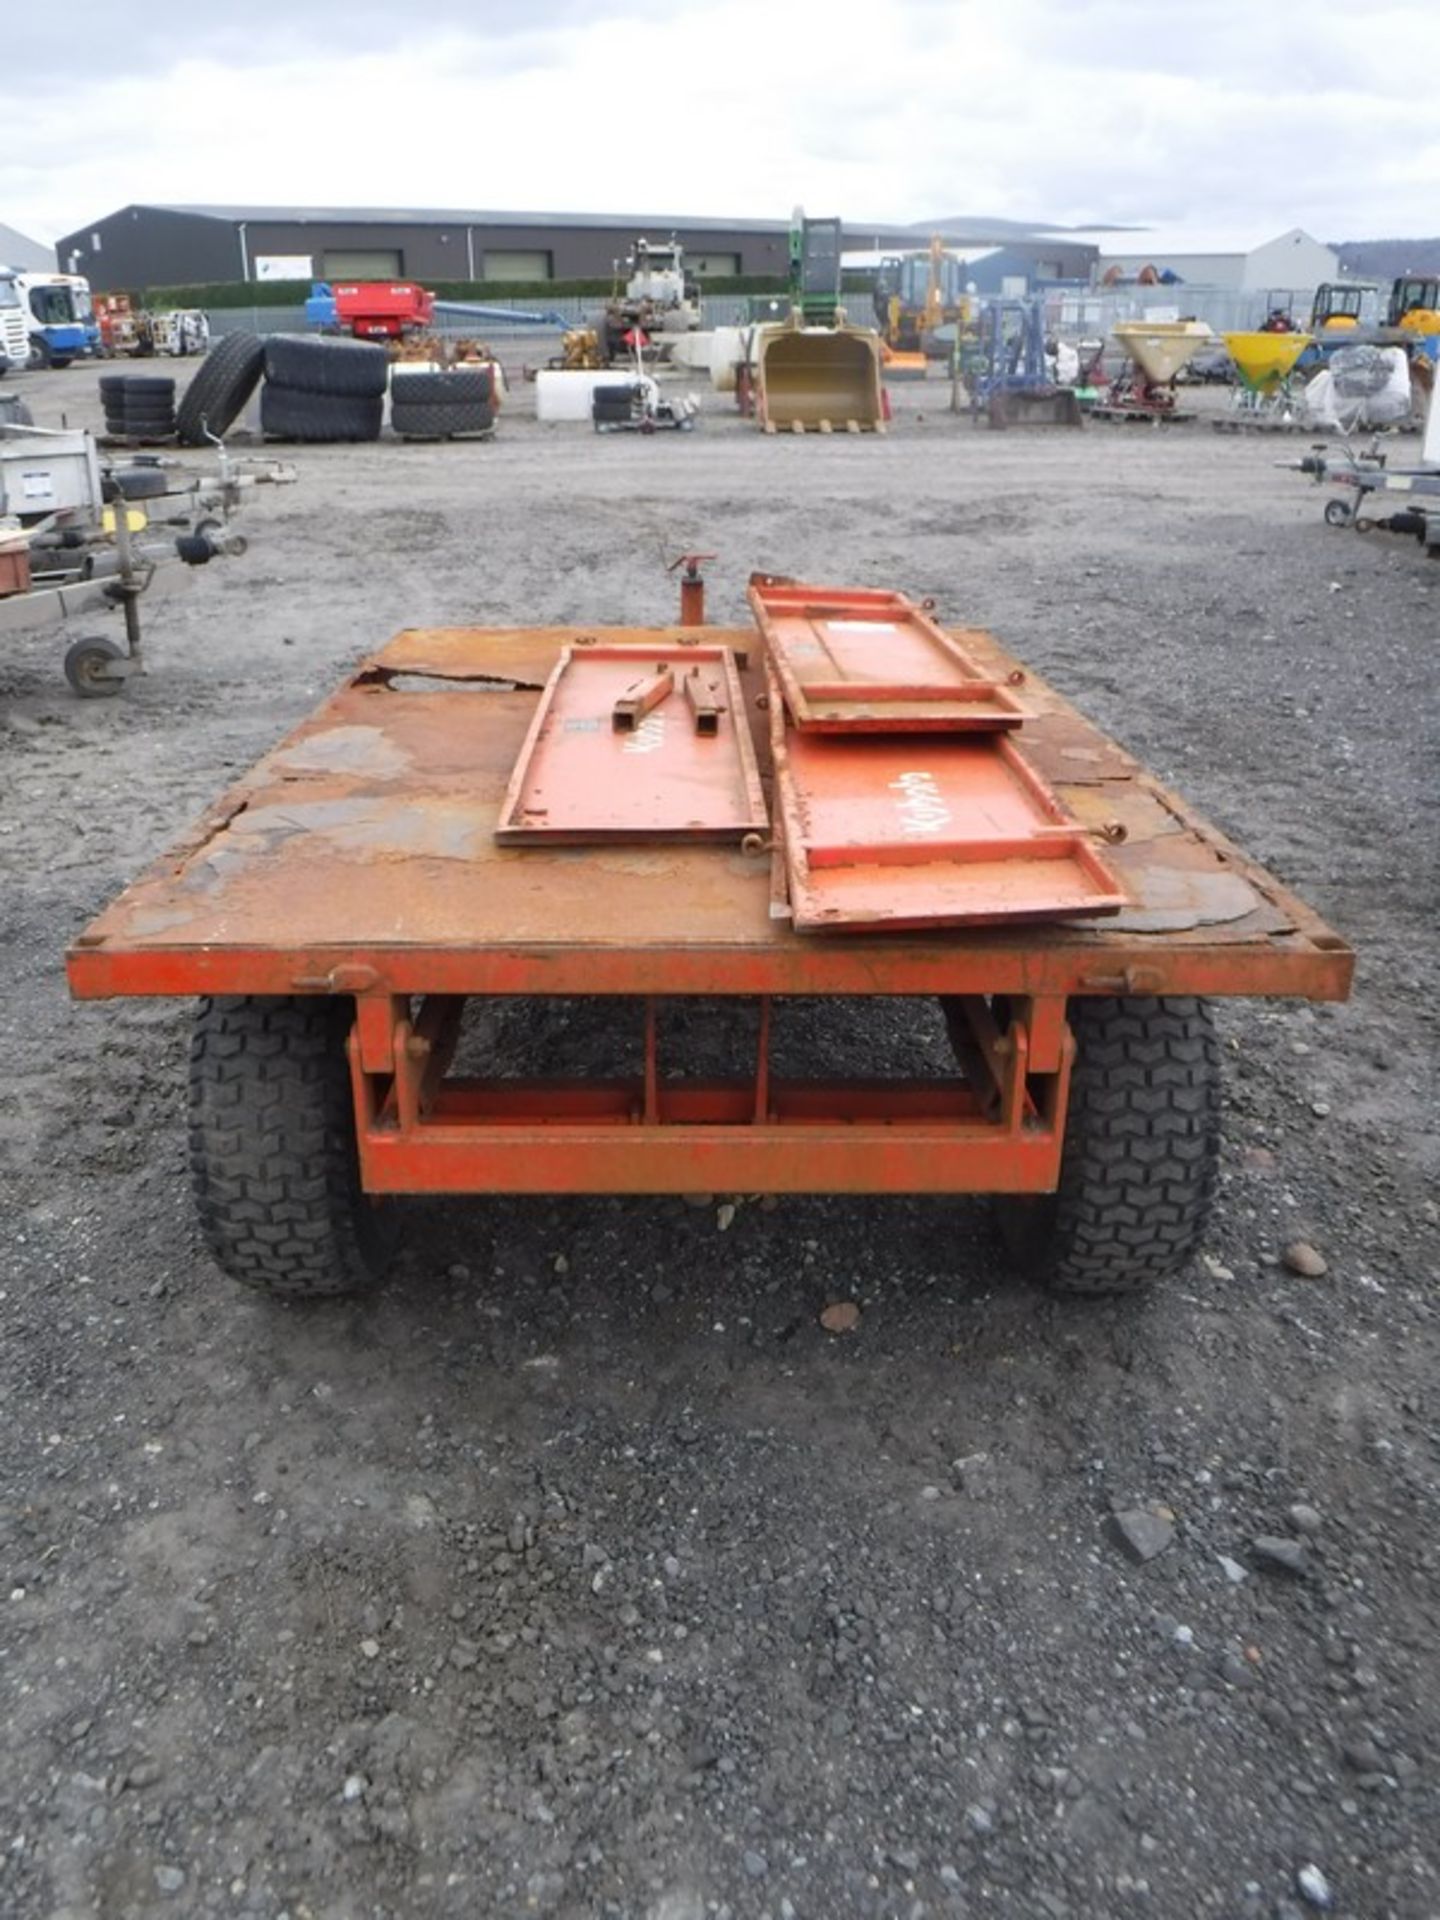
(911, 313)
(1340, 308)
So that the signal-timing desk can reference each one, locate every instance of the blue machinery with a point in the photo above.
(1007, 371)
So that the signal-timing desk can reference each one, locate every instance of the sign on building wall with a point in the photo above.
(282, 266)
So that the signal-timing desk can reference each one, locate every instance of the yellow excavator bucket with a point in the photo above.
(1263, 360)
(823, 378)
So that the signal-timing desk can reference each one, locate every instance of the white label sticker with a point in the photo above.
(920, 807)
(649, 735)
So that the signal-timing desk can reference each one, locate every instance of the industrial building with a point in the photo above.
(1293, 261)
(29, 256)
(159, 246)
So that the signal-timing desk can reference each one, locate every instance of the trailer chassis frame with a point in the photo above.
(996, 1128)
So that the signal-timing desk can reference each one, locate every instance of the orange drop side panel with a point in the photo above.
(637, 746)
(914, 830)
(856, 660)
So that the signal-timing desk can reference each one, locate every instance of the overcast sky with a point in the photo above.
(1232, 118)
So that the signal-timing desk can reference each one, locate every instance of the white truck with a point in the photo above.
(659, 298)
(14, 333)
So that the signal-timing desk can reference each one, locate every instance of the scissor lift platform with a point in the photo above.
(338, 906)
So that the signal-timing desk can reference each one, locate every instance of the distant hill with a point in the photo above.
(1388, 259)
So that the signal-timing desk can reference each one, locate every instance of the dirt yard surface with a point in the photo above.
(580, 1572)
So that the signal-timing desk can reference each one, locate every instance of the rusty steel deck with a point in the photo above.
(359, 856)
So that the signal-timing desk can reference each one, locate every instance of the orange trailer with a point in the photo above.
(335, 910)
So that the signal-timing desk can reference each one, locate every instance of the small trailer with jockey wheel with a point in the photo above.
(443, 829)
(80, 534)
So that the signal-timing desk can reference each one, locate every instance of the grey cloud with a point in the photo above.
(267, 31)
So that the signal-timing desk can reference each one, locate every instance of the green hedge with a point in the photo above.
(293, 293)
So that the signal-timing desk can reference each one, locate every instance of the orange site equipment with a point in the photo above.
(335, 911)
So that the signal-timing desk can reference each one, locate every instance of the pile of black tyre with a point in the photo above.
(442, 406)
(138, 406)
(322, 390)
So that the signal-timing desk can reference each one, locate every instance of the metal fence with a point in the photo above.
(721, 310)
(1083, 313)
(1070, 314)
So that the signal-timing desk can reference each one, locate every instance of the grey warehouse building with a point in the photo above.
(159, 246)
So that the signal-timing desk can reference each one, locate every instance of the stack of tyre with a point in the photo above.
(442, 406)
(223, 382)
(138, 406)
(322, 390)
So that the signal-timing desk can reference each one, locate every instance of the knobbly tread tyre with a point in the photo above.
(223, 382)
(339, 369)
(1141, 1150)
(456, 386)
(272, 1149)
(316, 417)
(440, 422)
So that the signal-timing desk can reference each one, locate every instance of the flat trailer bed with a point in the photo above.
(338, 906)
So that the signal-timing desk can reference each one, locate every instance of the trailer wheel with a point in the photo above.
(272, 1149)
(1338, 513)
(1141, 1145)
(86, 668)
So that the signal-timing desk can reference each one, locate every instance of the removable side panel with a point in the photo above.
(637, 745)
(854, 660)
(929, 832)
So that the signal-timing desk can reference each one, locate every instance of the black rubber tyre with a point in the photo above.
(272, 1149)
(140, 483)
(317, 418)
(40, 354)
(136, 418)
(440, 423)
(85, 663)
(460, 387)
(344, 369)
(1141, 1146)
(224, 381)
(1338, 513)
(146, 386)
(113, 383)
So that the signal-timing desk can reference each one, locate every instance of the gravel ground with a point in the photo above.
(580, 1572)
